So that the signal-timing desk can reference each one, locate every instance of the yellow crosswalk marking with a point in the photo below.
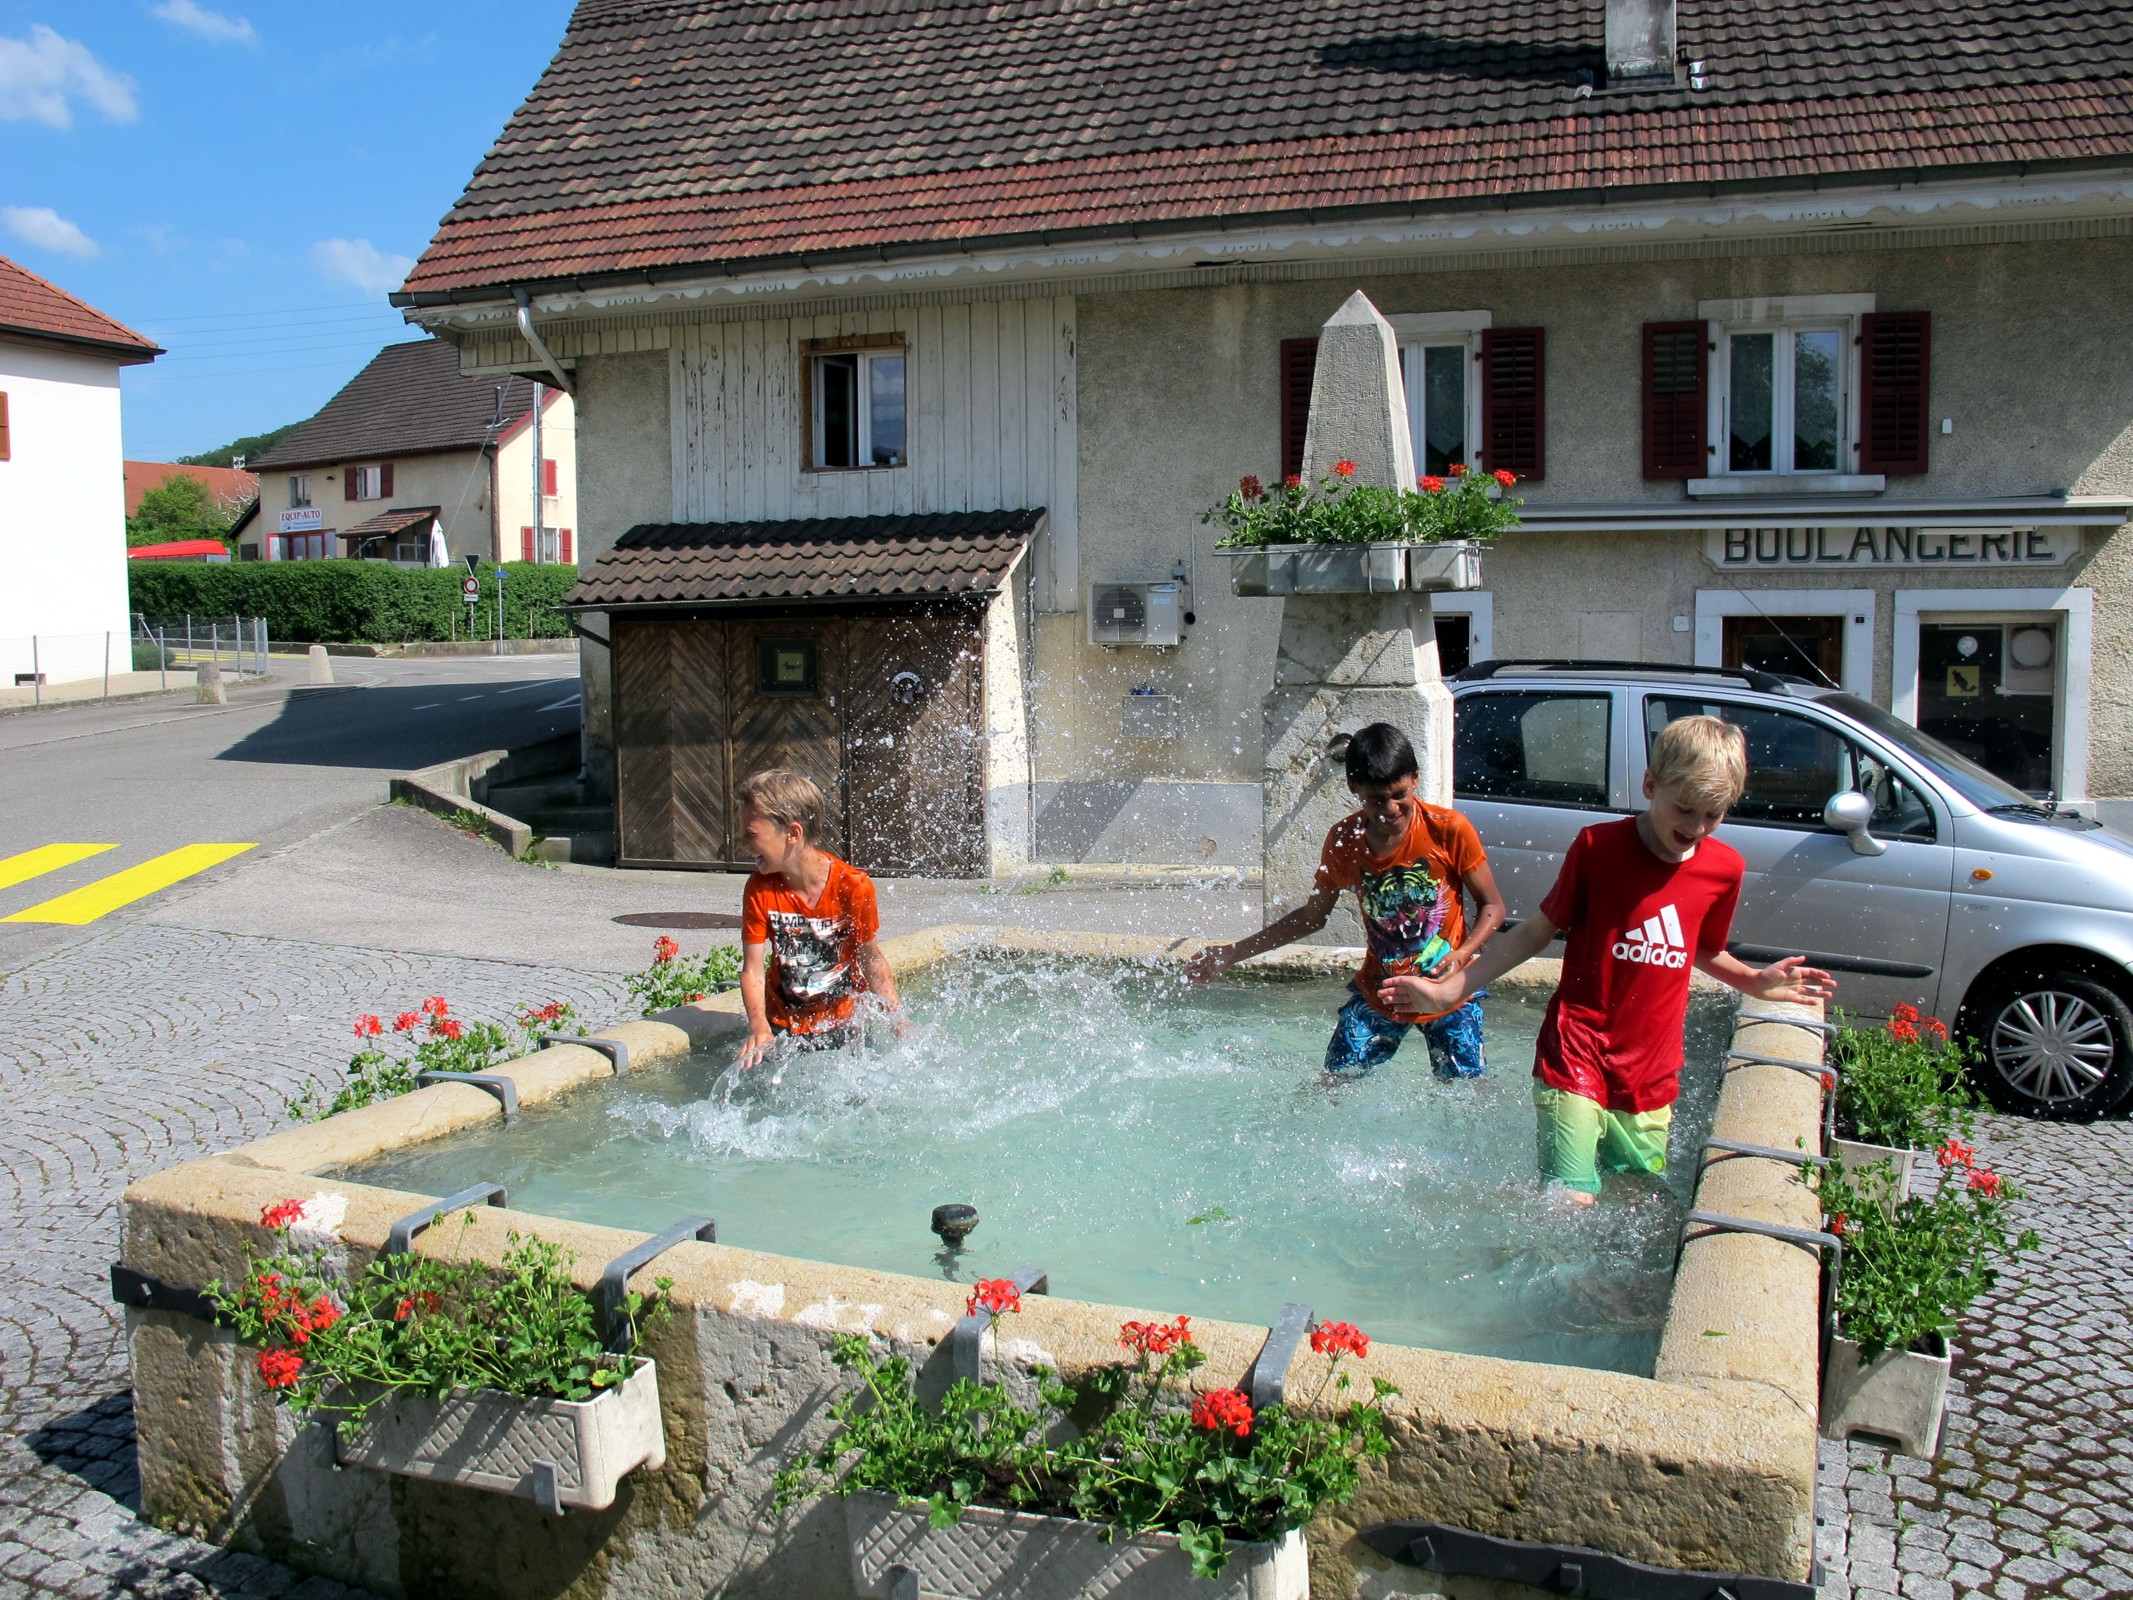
(46, 858)
(106, 895)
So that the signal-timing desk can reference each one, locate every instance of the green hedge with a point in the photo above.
(344, 602)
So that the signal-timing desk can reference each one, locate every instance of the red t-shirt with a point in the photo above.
(1409, 898)
(1636, 923)
(814, 978)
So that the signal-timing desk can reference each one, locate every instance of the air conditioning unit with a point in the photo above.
(1135, 613)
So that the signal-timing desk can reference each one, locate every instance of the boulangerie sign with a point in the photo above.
(1752, 549)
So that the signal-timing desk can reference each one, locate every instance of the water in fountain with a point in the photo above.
(1151, 1145)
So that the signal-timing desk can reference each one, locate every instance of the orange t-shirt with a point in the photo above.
(1409, 898)
(814, 978)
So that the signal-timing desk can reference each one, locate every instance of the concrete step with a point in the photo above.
(586, 849)
(534, 794)
(554, 820)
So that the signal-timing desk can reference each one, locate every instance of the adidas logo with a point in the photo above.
(1658, 943)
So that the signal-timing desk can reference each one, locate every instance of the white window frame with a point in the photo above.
(2076, 610)
(1478, 606)
(1784, 315)
(1855, 606)
(817, 423)
(1418, 331)
(299, 490)
(370, 482)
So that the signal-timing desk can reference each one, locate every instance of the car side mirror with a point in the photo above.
(1849, 813)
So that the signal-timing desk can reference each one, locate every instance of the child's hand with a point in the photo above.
(1208, 965)
(1409, 994)
(1793, 981)
(758, 1046)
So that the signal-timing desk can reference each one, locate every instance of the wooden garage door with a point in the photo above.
(785, 677)
(671, 777)
(914, 719)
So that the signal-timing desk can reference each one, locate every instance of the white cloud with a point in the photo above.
(361, 263)
(40, 76)
(47, 229)
(212, 26)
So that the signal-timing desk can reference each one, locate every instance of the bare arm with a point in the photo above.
(874, 966)
(1304, 921)
(1791, 980)
(755, 971)
(1505, 951)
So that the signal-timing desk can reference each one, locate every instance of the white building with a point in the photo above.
(62, 482)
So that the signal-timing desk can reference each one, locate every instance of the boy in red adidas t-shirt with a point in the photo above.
(1640, 899)
(808, 925)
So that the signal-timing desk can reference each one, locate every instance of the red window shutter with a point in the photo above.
(562, 547)
(1895, 358)
(1514, 373)
(1676, 400)
(548, 475)
(385, 481)
(525, 544)
(351, 481)
(6, 444)
(1299, 363)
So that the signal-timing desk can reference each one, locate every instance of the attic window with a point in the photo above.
(855, 402)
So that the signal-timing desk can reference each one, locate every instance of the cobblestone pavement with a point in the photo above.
(121, 1053)
(143, 1045)
(2028, 1495)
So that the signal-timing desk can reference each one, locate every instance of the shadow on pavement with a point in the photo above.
(402, 727)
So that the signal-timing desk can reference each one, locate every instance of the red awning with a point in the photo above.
(181, 550)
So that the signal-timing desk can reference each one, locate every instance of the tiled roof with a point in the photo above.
(408, 400)
(837, 558)
(398, 520)
(41, 310)
(672, 133)
(230, 486)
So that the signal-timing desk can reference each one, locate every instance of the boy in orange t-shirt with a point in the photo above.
(1411, 864)
(808, 925)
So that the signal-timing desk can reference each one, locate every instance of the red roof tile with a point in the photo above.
(32, 307)
(668, 134)
(231, 486)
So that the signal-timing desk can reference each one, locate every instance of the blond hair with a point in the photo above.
(785, 797)
(1705, 759)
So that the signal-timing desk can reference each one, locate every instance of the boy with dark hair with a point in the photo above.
(1641, 899)
(1410, 864)
(808, 924)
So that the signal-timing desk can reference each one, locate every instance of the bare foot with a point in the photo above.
(1569, 1199)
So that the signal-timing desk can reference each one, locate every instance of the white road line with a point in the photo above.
(521, 688)
(560, 704)
(463, 699)
(432, 706)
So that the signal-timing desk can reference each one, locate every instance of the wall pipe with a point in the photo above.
(541, 351)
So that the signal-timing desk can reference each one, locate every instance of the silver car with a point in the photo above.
(1877, 852)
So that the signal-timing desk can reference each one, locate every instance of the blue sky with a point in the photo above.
(245, 183)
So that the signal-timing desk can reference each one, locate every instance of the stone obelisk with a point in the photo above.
(1348, 659)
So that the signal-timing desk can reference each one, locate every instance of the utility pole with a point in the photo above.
(540, 476)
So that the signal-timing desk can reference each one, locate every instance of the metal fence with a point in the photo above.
(165, 645)
(39, 668)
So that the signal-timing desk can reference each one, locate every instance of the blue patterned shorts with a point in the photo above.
(1364, 1038)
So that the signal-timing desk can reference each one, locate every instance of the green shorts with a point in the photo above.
(1580, 1139)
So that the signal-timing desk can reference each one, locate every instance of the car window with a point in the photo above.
(1795, 764)
(1534, 746)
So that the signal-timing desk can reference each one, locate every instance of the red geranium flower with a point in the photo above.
(664, 950)
(1432, 485)
(1836, 1224)
(1986, 1182)
(1344, 469)
(406, 1020)
(280, 1368)
(1935, 1026)
(1250, 487)
(1505, 478)
(1903, 1032)
(446, 1028)
(435, 1005)
(367, 1027)
(995, 1297)
(1458, 469)
(282, 1214)
(1223, 1408)
(1904, 1012)
(1956, 1154)
(1154, 1338)
(1340, 1339)
(1293, 481)
(1829, 1083)
(422, 1300)
(551, 1012)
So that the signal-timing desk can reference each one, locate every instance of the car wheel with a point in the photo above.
(2053, 1044)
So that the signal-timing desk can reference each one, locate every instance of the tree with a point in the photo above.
(252, 446)
(179, 508)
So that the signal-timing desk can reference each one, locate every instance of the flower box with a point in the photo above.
(1857, 1156)
(1286, 569)
(487, 1440)
(1899, 1395)
(992, 1553)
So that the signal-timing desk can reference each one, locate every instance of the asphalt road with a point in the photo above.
(277, 765)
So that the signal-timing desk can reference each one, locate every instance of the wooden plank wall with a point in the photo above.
(990, 403)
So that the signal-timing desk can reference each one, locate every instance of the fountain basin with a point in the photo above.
(1707, 1463)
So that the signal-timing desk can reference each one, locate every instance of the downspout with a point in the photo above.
(540, 348)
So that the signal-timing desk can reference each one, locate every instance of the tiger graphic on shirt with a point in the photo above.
(1404, 910)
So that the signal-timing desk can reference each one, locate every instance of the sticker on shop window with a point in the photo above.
(1963, 683)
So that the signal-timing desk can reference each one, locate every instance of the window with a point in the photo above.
(1795, 764)
(1784, 396)
(856, 407)
(1539, 747)
(1439, 380)
(370, 483)
(6, 441)
(299, 491)
(552, 545)
(298, 546)
(786, 666)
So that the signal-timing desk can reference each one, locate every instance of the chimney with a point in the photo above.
(1640, 41)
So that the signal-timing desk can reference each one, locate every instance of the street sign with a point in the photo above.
(470, 588)
(500, 575)
(470, 568)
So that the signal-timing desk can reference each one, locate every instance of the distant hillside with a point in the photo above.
(251, 447)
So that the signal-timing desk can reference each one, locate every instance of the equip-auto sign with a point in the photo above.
(1747, 549)
(303, 519)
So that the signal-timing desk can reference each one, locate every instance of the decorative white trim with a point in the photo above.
(2077, 605)
(1786, 308)
(1411, 326)
(1748, 483)
(1478, 606)
(1855, 606)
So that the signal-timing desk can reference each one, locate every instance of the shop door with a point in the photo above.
(1792, 647)
(670, 743)
(786, 677)
(1989, 690)
(915, 744)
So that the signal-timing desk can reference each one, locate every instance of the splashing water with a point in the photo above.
(1151, 1145)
